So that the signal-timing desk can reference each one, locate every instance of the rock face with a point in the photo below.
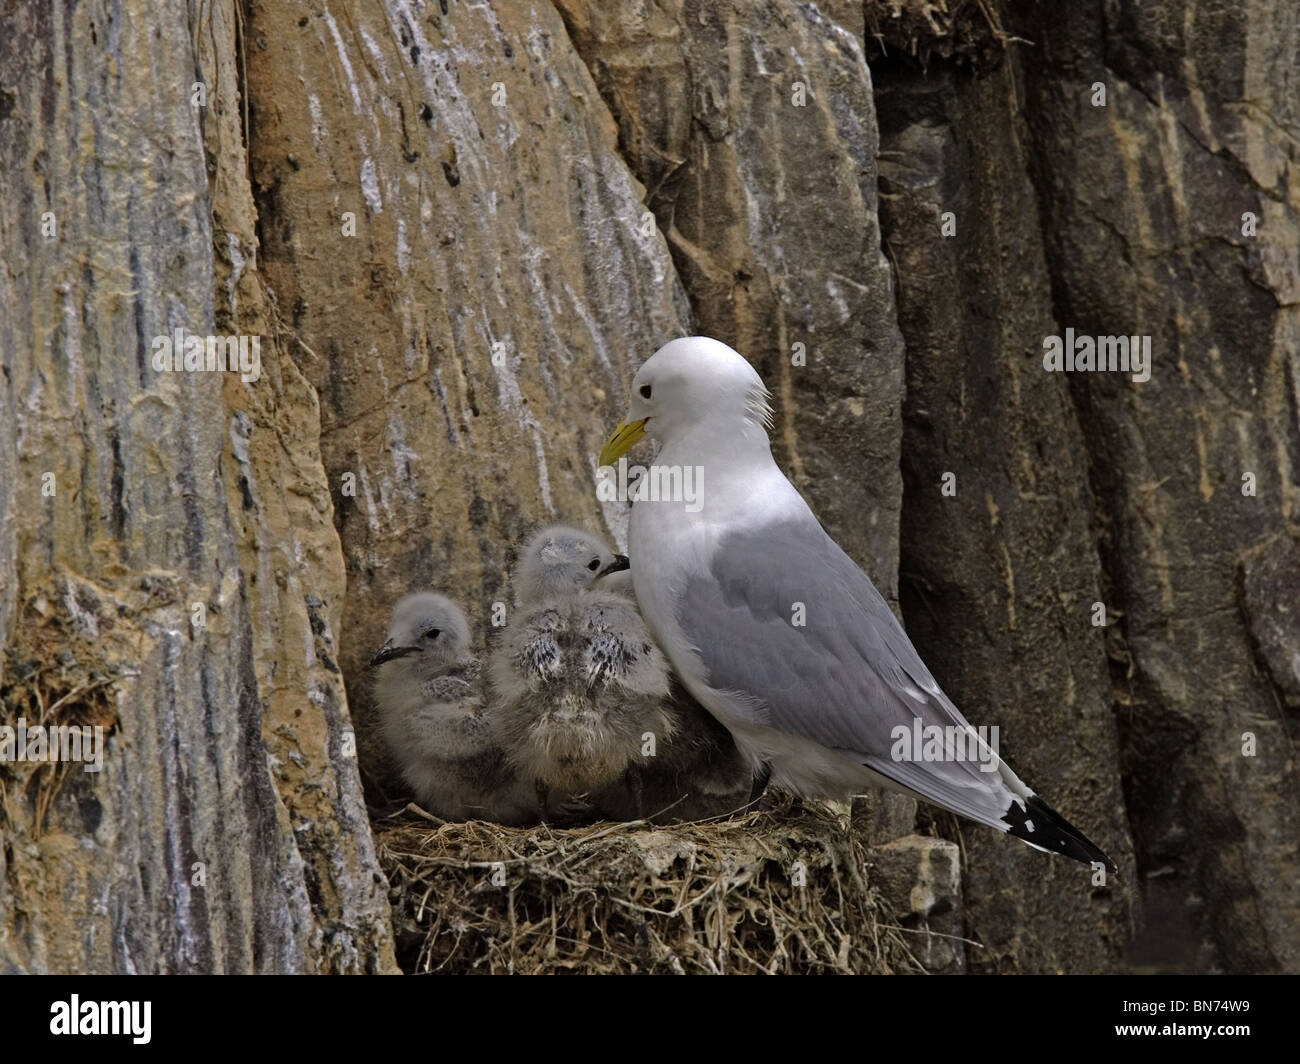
(999, 561)
(169, 567)
(753, 129)
(426, 180)
(1147, 205)
(456, 230)
(920, 878)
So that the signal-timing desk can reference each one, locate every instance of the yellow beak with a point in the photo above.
(625, 436)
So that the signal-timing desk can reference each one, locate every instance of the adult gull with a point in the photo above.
(777, 632)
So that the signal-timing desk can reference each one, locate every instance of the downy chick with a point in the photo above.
(587, 705)
(429, 692)
(578, 682)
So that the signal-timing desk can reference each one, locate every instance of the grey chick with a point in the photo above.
(587, 704)
(580, 687)
(429, 692)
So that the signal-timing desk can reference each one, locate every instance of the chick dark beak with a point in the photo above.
(388, 652)
(618, 565)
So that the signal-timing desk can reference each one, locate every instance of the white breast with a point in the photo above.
(671, 546)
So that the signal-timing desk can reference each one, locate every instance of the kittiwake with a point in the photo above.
(584, 702)
(775, 630)
(577, 682)
(428, 689)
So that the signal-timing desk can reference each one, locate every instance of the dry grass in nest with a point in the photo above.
(716, 897)
(967, 30)
(52, 676)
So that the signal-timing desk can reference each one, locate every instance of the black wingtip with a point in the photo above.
(1041, 825)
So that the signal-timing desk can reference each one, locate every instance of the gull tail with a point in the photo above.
(1045, 829)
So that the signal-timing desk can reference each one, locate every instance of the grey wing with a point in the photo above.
(447, 724)
(451, 689)
(845, 677)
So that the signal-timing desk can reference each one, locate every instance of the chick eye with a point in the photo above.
(433, 633)
(594, 564)
(645, 391)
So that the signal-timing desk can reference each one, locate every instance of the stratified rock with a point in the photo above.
(162, 535)
(753, 127)
(471, 277)
(1148, 195)
(920, 878)
(456, 230)
(882, 816)
(1271, 589)
(999, 561)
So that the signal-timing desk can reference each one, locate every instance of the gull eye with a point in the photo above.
(645, 391)
(594, 564)
(433, 633)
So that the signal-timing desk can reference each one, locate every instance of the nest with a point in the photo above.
(779, 890)
(53, 675)
(966, 30)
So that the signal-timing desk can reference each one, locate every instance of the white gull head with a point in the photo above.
(688, 386)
